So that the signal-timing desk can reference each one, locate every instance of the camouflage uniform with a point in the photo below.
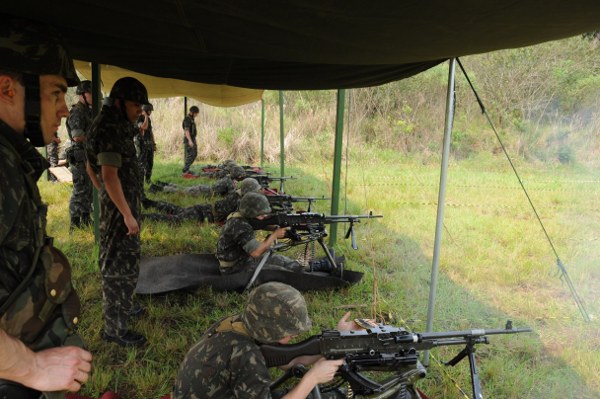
(227, 363)
(177, 214)
(228, 205)
(221, 187)
(144, 148)
(110, 142)
(237, 240)
(52, 151)
(80, 205)
(32, 317)
(190, 152)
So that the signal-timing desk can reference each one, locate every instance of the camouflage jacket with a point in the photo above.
(110, 142)
(22, 214)
(189, 124)
(223, 365)
(79, 121)
(226, 206)
(148, 135)
(236, 242)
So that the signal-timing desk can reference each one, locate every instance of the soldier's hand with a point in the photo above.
(133, 227)
(281, 231)
(324, 370)
(345, 325)
(60, 369)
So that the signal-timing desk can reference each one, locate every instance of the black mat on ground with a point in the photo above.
(188, 271)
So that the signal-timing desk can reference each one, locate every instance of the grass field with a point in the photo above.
(496, 264)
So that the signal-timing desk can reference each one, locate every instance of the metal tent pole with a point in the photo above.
(281, 137)
(439, 223)
(262, 132)
(96, 104)
(337, 162)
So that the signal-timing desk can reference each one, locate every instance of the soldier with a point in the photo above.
(215, 213)
(189, 140)
(227, 363)
(221, 187)
(114, 171)
(78, 126)
(238, 249)
(38, 306)
(228, 205)
(145, 145)
(52, 151)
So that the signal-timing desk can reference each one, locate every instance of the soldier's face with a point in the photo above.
(88, 98)
(52, 95)
(133, 110)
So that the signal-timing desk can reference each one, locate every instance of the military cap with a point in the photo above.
(248, 185)
(148, 107)
(34, 48)
(130, 89)
(275, 311)
(85, 86)
(254, 204)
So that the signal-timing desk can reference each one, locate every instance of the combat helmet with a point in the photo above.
(85, 86)
(254, 204)
(236, 172)
(248, 185)
(30, 49)
(275, 311)
(130, 89)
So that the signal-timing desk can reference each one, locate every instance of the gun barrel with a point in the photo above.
(469, 333)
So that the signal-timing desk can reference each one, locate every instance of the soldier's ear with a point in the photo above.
(7, 89)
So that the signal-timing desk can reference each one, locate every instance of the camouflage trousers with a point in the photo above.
(190, 154)
(119, 262)
(80, 205)
(275, 262)
(52, 150)
(146, 161)
(177, 214)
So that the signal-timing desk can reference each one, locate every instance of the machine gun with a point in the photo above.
(265, 179)
(304, 228)
(284, 202)
(309, 226)
(383, 349)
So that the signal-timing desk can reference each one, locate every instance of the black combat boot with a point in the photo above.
(125, 338)
(86, 220)
(321, 265)
(75, 222)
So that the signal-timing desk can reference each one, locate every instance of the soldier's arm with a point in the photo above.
(268, 242)
(55, 369)
(113, 187)
(189, 138)
(92, 175)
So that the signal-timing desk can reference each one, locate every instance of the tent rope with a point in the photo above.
(561, 267)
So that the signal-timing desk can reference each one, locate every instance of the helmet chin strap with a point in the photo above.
(33, 130)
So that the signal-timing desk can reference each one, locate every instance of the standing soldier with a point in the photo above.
(189, 140)
(78, 126)
(144, 142)
(52, 151)
(39, 350)
(113, 168)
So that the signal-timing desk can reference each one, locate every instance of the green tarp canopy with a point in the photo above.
(300, 44)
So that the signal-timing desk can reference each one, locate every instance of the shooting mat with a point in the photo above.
(189, 271)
